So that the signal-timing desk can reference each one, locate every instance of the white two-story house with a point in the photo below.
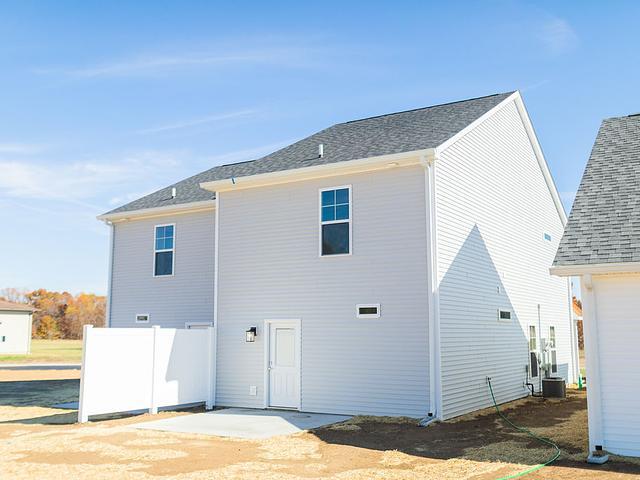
(382, 266)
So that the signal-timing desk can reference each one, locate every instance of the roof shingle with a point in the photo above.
(15, 307)
(604, 225)
(386, 134)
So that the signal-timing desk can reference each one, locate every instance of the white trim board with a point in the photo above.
(368, 164)
(178, 209)
(595, 269)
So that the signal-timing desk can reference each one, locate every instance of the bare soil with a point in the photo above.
(38, 442)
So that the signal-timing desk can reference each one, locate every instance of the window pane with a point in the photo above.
(159, 232)
(342, 196)
(168, 242)
(342, 212)
(328, 214)
(328, 197)
(164, 262)
(533, 361)
(159, 244)
(168, 231)
(335, 238)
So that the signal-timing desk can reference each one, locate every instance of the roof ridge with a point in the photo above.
(427, 107)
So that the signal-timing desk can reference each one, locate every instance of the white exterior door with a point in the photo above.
(284, 364)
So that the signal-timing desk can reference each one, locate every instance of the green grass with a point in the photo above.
(49, 351)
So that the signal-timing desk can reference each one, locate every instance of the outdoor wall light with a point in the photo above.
(251, 334)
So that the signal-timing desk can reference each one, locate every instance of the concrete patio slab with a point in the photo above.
(244, 423)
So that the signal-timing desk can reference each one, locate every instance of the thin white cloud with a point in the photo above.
(78, 182)
(198, 121)
(558, 36)
(20, 148)
(156, 63)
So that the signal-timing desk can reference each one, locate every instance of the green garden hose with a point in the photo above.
(528, 432)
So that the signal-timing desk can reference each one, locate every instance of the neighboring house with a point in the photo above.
(15, 328)
(387, 265)
(601, 245)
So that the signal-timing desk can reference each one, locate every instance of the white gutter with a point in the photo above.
(109, 285)
(380, 162)
(190, 207)
(595, 269)
(435, 381)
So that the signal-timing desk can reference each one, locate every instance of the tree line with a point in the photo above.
(59, 314)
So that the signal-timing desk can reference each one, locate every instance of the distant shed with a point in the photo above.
(15, 328)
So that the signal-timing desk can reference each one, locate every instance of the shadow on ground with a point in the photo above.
(484, 436)
(38, 393)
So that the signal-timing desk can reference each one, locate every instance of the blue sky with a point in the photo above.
(103, 103)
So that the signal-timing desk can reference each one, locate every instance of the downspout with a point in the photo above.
(110, 283)
(594, 397)
(216, 256)
(435, 411)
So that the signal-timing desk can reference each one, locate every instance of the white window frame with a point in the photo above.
(367, 315)
(553, 348)
(330, 222)
(189, 325)
(173, 257)
(536, 350)
(143, 321)
(505, 320)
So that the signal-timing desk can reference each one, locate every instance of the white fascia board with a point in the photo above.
(517, 98)
(595, 269)
(544, 166)
(190, 207)
(381, 162)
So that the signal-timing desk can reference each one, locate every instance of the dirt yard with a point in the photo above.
(38, 442)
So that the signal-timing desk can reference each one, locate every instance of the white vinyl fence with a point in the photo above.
(126, 369)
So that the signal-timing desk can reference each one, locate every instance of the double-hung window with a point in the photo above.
(553, 354)
(533, 352)
(164, 244)
(335, 221)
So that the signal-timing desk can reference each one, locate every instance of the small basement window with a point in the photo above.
(192, 325)
(504, 315)
(368, 311)
(142, 318)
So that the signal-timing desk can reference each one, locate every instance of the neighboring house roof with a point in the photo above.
(369, 137)
(15, 307)
(604, 225)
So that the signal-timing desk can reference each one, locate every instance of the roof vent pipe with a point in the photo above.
(173, 192)
(321, 150)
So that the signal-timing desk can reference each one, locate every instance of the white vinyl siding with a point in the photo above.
(493, 209)
(170, 301)
(269, 268)
(618, 336)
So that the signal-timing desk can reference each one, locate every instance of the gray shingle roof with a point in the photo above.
(386, 134)
(604, 224)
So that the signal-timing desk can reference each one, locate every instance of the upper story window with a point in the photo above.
(335, 221)
(164, 245)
